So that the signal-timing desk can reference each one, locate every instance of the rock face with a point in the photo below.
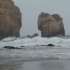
(10, 19)
(50, 25)
(60, 22)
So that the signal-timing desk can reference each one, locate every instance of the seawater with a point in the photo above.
(32, 50)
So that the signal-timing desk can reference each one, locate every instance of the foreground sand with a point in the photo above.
(37, 65)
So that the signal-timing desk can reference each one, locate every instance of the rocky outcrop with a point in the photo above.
(35, 35)
(10, 19)
(31, 36)
(50, 25)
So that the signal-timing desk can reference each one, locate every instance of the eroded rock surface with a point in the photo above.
(10, 19)
(50, 25)
(60, 22)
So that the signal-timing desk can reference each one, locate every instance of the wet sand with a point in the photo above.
(37, 65)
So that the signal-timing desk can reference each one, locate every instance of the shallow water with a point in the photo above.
(37, 65)
(34, 54)
(32, 51)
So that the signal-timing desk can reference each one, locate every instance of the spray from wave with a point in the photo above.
(17, 42)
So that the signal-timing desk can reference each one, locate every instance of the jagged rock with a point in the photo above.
(50, 25)
(31, 36)
(10, 19)
(35, 35)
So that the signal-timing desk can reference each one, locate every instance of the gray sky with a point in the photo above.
(30, 10)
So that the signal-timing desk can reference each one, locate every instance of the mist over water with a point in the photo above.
(33, 50)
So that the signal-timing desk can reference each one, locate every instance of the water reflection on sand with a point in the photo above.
(10, 66)
(37, 65)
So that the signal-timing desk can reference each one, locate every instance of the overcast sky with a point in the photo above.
(30, 10)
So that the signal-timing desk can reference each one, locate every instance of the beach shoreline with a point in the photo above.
(37, 65)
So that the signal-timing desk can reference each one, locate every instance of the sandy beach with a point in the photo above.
(37, 65)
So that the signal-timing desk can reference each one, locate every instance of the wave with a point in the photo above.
(17, 42)
(32, 50)
(8, 39)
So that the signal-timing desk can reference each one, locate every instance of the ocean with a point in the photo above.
(33, 51)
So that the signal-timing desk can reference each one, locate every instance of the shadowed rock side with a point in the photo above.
(50, 25)
(60, 22)
(10, 19)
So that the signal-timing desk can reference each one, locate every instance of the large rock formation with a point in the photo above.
(10, 19)
(60, 22)
(50, 25)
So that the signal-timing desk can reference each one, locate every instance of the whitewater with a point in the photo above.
(33, 50)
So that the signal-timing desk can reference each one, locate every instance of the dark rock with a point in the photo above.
(35, 35)
(29, 36)
(50, 45)
(46, 45)
(11, 47)
(22, 46)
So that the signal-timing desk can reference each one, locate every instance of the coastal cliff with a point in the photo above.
(50, 25)
(10, 19)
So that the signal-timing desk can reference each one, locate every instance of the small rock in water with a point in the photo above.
(42, 45)
(50, 45)
(22, 46)
(11, 47)
(46, 45)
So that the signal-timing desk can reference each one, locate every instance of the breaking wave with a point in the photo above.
(33, 50)
(17, 42)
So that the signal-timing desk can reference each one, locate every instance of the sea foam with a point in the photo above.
(17, 42)
(33, 50)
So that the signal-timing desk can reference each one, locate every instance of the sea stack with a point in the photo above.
(10, 19)
(50, 25)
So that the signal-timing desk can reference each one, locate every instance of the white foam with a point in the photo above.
(61, 49)
(17, 42)
(8, 39)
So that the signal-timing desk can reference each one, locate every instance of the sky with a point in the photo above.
(31, 9)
